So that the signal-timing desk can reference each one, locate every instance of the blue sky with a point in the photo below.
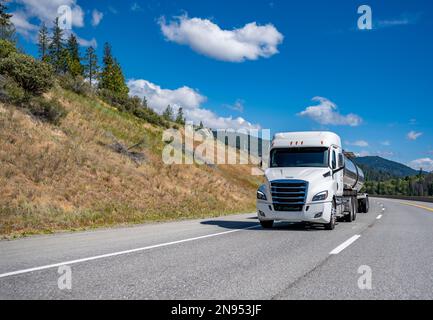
(263, 63)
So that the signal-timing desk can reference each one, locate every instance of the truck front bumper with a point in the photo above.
(311, 212)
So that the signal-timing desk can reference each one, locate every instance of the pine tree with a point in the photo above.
(91, 67)
(75, 68)
(43, 42)
(7, 29)
(180, 118)
(201, 126)
(168, 113)
(112, 77)
(56, 48)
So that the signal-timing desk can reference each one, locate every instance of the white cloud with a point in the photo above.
(363, 153)
(386, 143)
(413, 135)
(44, 11)
(189, 99)
(23, 26)
(326, 113)
(135, 7)
(237, 106)
(87, 43)
(96, 17)
(203, 36)
(424, 163)
(358, 143)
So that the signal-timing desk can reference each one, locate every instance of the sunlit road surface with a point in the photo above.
(385, 254)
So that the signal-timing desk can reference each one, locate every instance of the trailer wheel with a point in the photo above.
(354, 207)
(267, 224)
(350, 216)
(366, 205)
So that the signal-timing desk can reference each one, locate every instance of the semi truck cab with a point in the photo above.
(310, 179)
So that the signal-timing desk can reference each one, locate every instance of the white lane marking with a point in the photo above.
(345, 244)
(379, 216)
(55, 265)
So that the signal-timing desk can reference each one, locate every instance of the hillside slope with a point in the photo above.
(66, 177)
(376, 167)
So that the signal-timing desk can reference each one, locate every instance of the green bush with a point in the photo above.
(75, 84)
(150, 116)
(133, 105)
(33, 76)
(11, 92)
(6, 48)
(47, 110)
(118, 100)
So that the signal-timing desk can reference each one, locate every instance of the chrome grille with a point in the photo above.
(289, 195)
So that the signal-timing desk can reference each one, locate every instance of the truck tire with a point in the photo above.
(349, 217)
(331, 224)
(267, 224)
(354, 208)
(366, 205)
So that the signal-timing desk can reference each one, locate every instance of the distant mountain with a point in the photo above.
(377, 168)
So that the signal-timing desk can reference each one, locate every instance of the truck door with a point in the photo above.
(337, 163)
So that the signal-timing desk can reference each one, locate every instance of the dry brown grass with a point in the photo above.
(66, 178)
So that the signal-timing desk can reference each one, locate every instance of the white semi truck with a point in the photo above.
(310, 179)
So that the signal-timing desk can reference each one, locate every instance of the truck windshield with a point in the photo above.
(299, 157)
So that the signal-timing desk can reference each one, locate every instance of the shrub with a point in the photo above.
(48, 110)
(34, 76)
(6, 48)
(150, 116)
(116, 99)
(11, 92)
(133, 105)
(75, 84)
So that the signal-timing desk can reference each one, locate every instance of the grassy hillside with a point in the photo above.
(66, 177)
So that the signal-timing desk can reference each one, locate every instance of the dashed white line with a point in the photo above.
(345, 244)
(379, 216)
(54, 265)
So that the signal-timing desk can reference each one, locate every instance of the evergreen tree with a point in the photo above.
(43, 42)
(112, 77)
(7, 29)
(168, 113)
(75, 68)
(201, 126)
(56, 48)
(180, 118)
(91, 67)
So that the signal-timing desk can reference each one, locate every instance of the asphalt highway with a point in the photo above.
(384, 254)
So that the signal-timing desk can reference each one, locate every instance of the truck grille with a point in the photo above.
(289, 195)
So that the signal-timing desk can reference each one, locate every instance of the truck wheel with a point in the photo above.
(349, 217)
(366, 205)
(267, 224)
(331, 224)
(354, 208)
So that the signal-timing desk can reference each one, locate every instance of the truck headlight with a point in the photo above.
(261, 195)
(321, 196)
